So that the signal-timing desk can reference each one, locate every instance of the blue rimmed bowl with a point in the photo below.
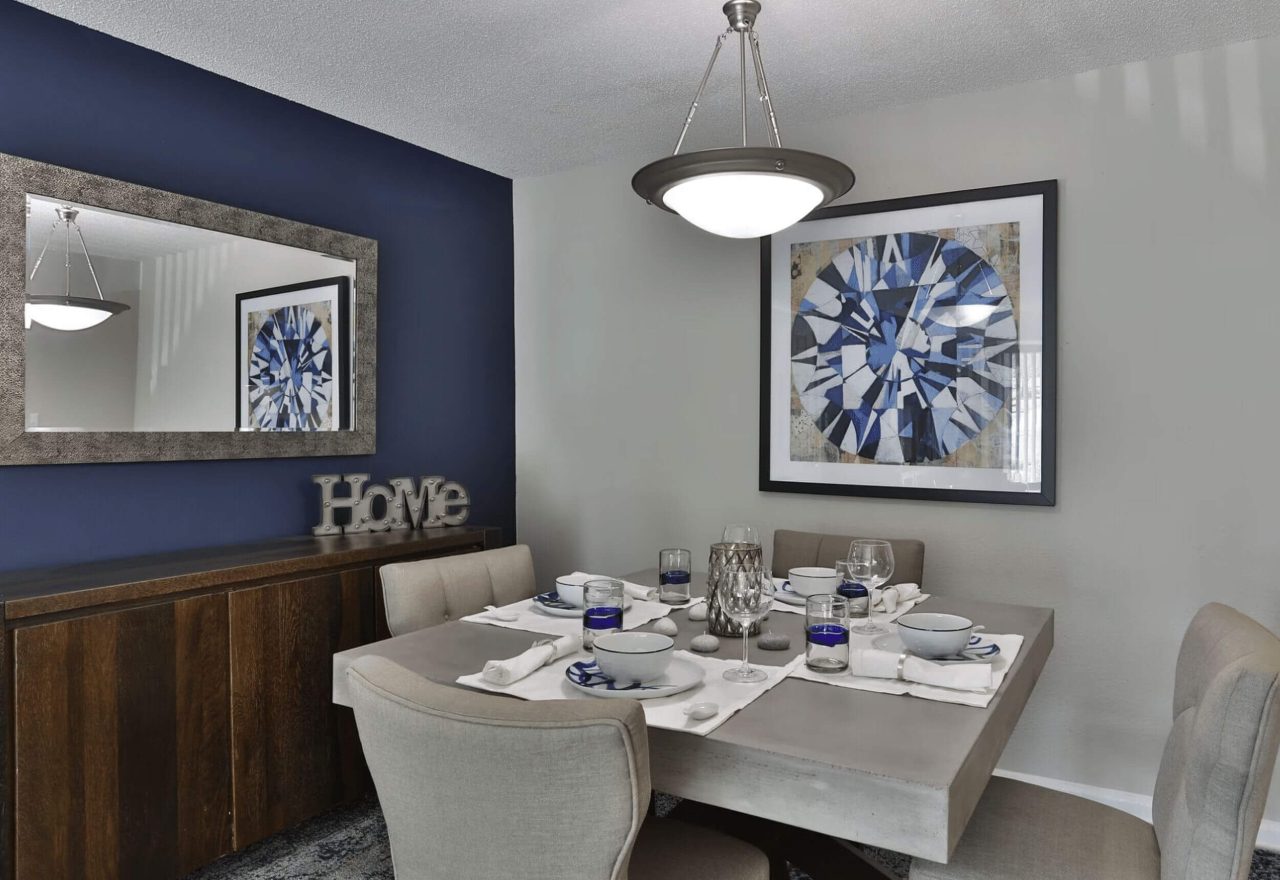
(812, 580)
(634, 656)
(570, 593)
(935, 636)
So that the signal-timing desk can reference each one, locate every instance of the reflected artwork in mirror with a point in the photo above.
(146, 325)
(291, 357)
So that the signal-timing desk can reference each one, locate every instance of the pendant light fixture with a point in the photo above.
(742, 192)
(69, 312)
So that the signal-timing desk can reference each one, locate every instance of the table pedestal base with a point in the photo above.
(818, 855)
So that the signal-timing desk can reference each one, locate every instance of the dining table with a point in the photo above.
(834, 764)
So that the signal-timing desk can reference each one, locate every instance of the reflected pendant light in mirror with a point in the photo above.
(69, 312)
(742, 192)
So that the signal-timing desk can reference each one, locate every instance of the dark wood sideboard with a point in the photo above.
(164, 711)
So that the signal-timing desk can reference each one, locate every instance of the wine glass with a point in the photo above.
(746, 594)
(740, 533)
(871, 564)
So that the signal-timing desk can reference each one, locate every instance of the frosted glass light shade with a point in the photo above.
(70, 313)
(743, 204)
(742, 192)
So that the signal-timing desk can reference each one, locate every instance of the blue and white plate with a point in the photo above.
(784, 594)
(681, 675)
(551, 603)
(980, 650)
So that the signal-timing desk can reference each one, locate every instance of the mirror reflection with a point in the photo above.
(137, 324)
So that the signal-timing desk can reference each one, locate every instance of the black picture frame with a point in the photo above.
(342, 340)
(1046, 495)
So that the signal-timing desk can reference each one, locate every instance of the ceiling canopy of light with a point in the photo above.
(69, 312)
(742, 192)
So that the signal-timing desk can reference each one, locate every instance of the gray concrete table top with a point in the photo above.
(891, 771)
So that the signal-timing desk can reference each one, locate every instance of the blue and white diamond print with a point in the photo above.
(291, 372)
(904, 348)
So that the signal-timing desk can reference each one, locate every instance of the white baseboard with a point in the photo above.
(1134, 804)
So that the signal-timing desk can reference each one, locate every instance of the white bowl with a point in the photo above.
(813, 580)
(934, 636)
(634, 656)
(571, 593)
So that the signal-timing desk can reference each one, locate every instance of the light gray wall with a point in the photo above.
(637, 351)
(83, 379)
(186, 378)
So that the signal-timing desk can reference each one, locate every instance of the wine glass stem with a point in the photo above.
(746, 628)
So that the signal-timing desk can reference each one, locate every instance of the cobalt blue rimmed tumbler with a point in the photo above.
(855, 592)
(602, 609)
(674, 576)
(826, 633)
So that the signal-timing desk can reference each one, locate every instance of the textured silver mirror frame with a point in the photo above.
(19, 176)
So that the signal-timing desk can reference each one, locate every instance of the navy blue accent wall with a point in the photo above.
(446, 385)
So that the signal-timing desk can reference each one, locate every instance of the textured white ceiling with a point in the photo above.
(529, 87)
(113, 234)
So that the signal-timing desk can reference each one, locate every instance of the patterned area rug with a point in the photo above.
(351, 844)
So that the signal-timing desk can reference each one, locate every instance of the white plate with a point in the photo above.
(990, 650)
(681, 675)
(568, 612)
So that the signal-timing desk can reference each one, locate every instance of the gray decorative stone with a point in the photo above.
(705, 644)
(698, 612)
(666, 626)
(774, 642)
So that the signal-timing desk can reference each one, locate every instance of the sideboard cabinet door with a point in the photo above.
(121, 743)
(294, 754)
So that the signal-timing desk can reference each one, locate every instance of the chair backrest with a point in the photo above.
(429, 592)
(796, 549)
(1217, 762)
(474, 785)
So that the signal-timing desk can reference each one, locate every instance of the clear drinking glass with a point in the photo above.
(740, 533)
(871, 565)
(674, 575)
(602, 609)
(746, 594)
(826, 633)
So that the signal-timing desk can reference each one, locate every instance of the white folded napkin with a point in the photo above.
(874, 663)
(889, 598)
(522, 665)
(635, 591)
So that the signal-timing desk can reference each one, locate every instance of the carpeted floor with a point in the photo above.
(351, 844)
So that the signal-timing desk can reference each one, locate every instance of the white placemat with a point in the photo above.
(549, 683)
(530, 619)
(880, 618)
(1010, 645)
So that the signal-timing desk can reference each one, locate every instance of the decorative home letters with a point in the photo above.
(435, 502)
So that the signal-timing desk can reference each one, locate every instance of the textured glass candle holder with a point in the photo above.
(723, 556)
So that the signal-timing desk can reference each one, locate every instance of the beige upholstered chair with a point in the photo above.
(1209, 795)
(431, 591)
(481, 787)
(796, 549)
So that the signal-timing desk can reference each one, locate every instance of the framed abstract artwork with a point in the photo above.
(908, 349)
(293, 357)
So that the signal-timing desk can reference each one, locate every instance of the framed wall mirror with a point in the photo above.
(143, 325)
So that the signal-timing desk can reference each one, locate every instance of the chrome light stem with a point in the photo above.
(762, 85)
(702, 86)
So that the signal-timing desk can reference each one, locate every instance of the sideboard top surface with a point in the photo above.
(71, 587)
